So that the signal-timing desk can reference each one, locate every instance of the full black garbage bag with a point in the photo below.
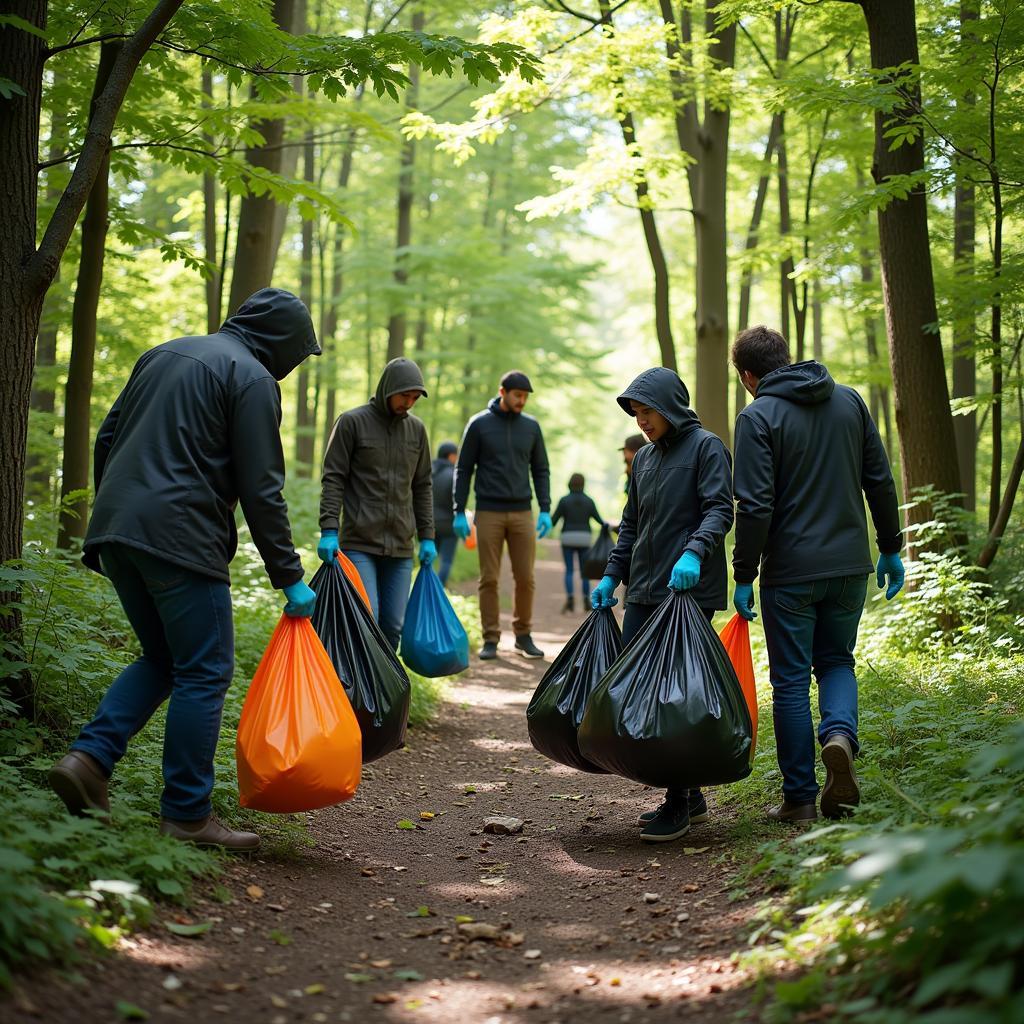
(670, 711)
(374, 679)
(557, 707)
(596, 558)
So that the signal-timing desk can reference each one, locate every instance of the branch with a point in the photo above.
(575, 14)
(394, 16)
(579, 35)
(754, 43)
(75, 43)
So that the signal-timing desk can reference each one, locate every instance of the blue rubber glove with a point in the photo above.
(890, 566)
(743, 601)
(301, 600)
(544, 526)
(428, 551)
(686, 572)
(327, 549)
(461, 526)
(601, 595)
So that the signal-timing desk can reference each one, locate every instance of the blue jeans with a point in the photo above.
(183, 622)
(387, 582)
(572, 555)
(446, 547)
(811, 627)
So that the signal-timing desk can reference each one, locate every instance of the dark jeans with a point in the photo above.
(387, 582)
(634, 619)
(811, 627)
(572, 555)
(446, 547)
(183, 622)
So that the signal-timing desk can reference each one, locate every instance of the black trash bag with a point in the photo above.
(374, 679)
(596, 558)
(557, 707)
(670, 711)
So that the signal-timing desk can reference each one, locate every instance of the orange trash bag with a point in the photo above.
(735, 639)
(354, 578)
(471, 539)
(298, 745)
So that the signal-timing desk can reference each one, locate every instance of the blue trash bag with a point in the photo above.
(433, 640)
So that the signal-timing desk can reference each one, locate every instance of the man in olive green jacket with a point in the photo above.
(377, 478)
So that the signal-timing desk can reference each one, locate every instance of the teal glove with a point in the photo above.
(890, 566)
(301, 600)
(743, 601)
(544, 526)
(327, 549)
(601, 595)
(461, 526)
(428, 552)
(686, 572)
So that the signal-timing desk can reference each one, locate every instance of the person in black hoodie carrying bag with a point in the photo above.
(678, 510)
(195, 431)
(442, 473)
(807, 455)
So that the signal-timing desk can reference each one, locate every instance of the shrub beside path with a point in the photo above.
(405, 910)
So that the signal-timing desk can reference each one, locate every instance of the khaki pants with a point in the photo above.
(493, 529)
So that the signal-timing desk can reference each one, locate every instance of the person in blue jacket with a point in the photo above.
(442, 472)
(678, 510)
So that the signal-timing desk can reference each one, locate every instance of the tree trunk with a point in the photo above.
(1002, 517)
(255, 248)
(305, 420)
(213, 282)
(817, 323)
(786, 283)
(78, 393)
(923, 417)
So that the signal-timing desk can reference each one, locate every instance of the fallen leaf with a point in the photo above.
(492, 881)
(408, 975)
(380, 963)
(314, 990)
(690, 850)
(463, 919)
(385, 997)
(480, 930)
(129, 1011)
(427, 815)
(405, 824)
(279, 1002)
(357, 978)
(254, 892)
(615, 981)
(280, 937)
(421, 911)
(189, 931)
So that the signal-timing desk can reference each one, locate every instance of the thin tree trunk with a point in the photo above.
(817, 323)
(1002, 518)
(78, 393)
(213, 282)
(305, 422)
(786, 283)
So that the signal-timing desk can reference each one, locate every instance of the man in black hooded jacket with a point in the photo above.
(678, 511)
(195, 432)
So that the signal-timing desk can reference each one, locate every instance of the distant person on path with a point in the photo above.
(576, 510)
(633, 444)
(443, 481)
(376, 479)
(678, 511)
(505, 448)
(194, 432)
(807, 455)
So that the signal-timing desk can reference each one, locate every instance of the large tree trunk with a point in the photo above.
(923, 417)
(78, 393)
(256, 245)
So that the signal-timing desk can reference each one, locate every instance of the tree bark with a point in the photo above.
(1002, 517)
(255, 248)
(305, 420)
(73, 516)
(213, 282)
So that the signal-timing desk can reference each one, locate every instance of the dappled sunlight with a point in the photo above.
(160, 953)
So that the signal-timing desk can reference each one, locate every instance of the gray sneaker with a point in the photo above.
(841, 792)
(489, 651)
(527, 648)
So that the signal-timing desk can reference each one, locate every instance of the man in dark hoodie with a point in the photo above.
(807, 455)
(195, 431)
(376, 477)
(678, 511)
(505, 447)
(442, 472)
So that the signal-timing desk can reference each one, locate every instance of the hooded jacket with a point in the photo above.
(679, 499)
(376, 475)
(807, 454)
(505, 449)
(442, 474)
(197, 430)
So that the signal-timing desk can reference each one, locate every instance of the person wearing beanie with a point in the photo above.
(678, 511)
(505, 449)
(377, 481)
(632, 445)
(576, 510)
(443, 479)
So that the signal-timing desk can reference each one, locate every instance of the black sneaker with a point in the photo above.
(696, 805)
(489, 651)
(527, 648)
(569, 605)
(671, 822)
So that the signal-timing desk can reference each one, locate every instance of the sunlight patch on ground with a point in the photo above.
(485, 743)
(164, 954)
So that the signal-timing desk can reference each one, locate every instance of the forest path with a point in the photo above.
(589, 923)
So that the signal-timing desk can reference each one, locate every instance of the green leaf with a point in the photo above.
(9, 89)
(26, 26)
(421, 911)
(189, 931)
(170, 886)
(358, 979)
(405, 824)
(408, 975)
(280, 937)
(129, 1011)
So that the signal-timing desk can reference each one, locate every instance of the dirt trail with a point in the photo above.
(588, 922)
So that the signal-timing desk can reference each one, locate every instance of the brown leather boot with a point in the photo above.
(210, 832)
(841, 792)
(79, 780)
(793, 812)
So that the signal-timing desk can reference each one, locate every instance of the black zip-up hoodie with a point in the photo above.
(442, 475)
(505, 449)
(196, 430)
(679, 499)
(807, 454)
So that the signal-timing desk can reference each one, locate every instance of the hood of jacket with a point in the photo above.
(664, 391)
(398, 376)
(806, 383)
(276, 327)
